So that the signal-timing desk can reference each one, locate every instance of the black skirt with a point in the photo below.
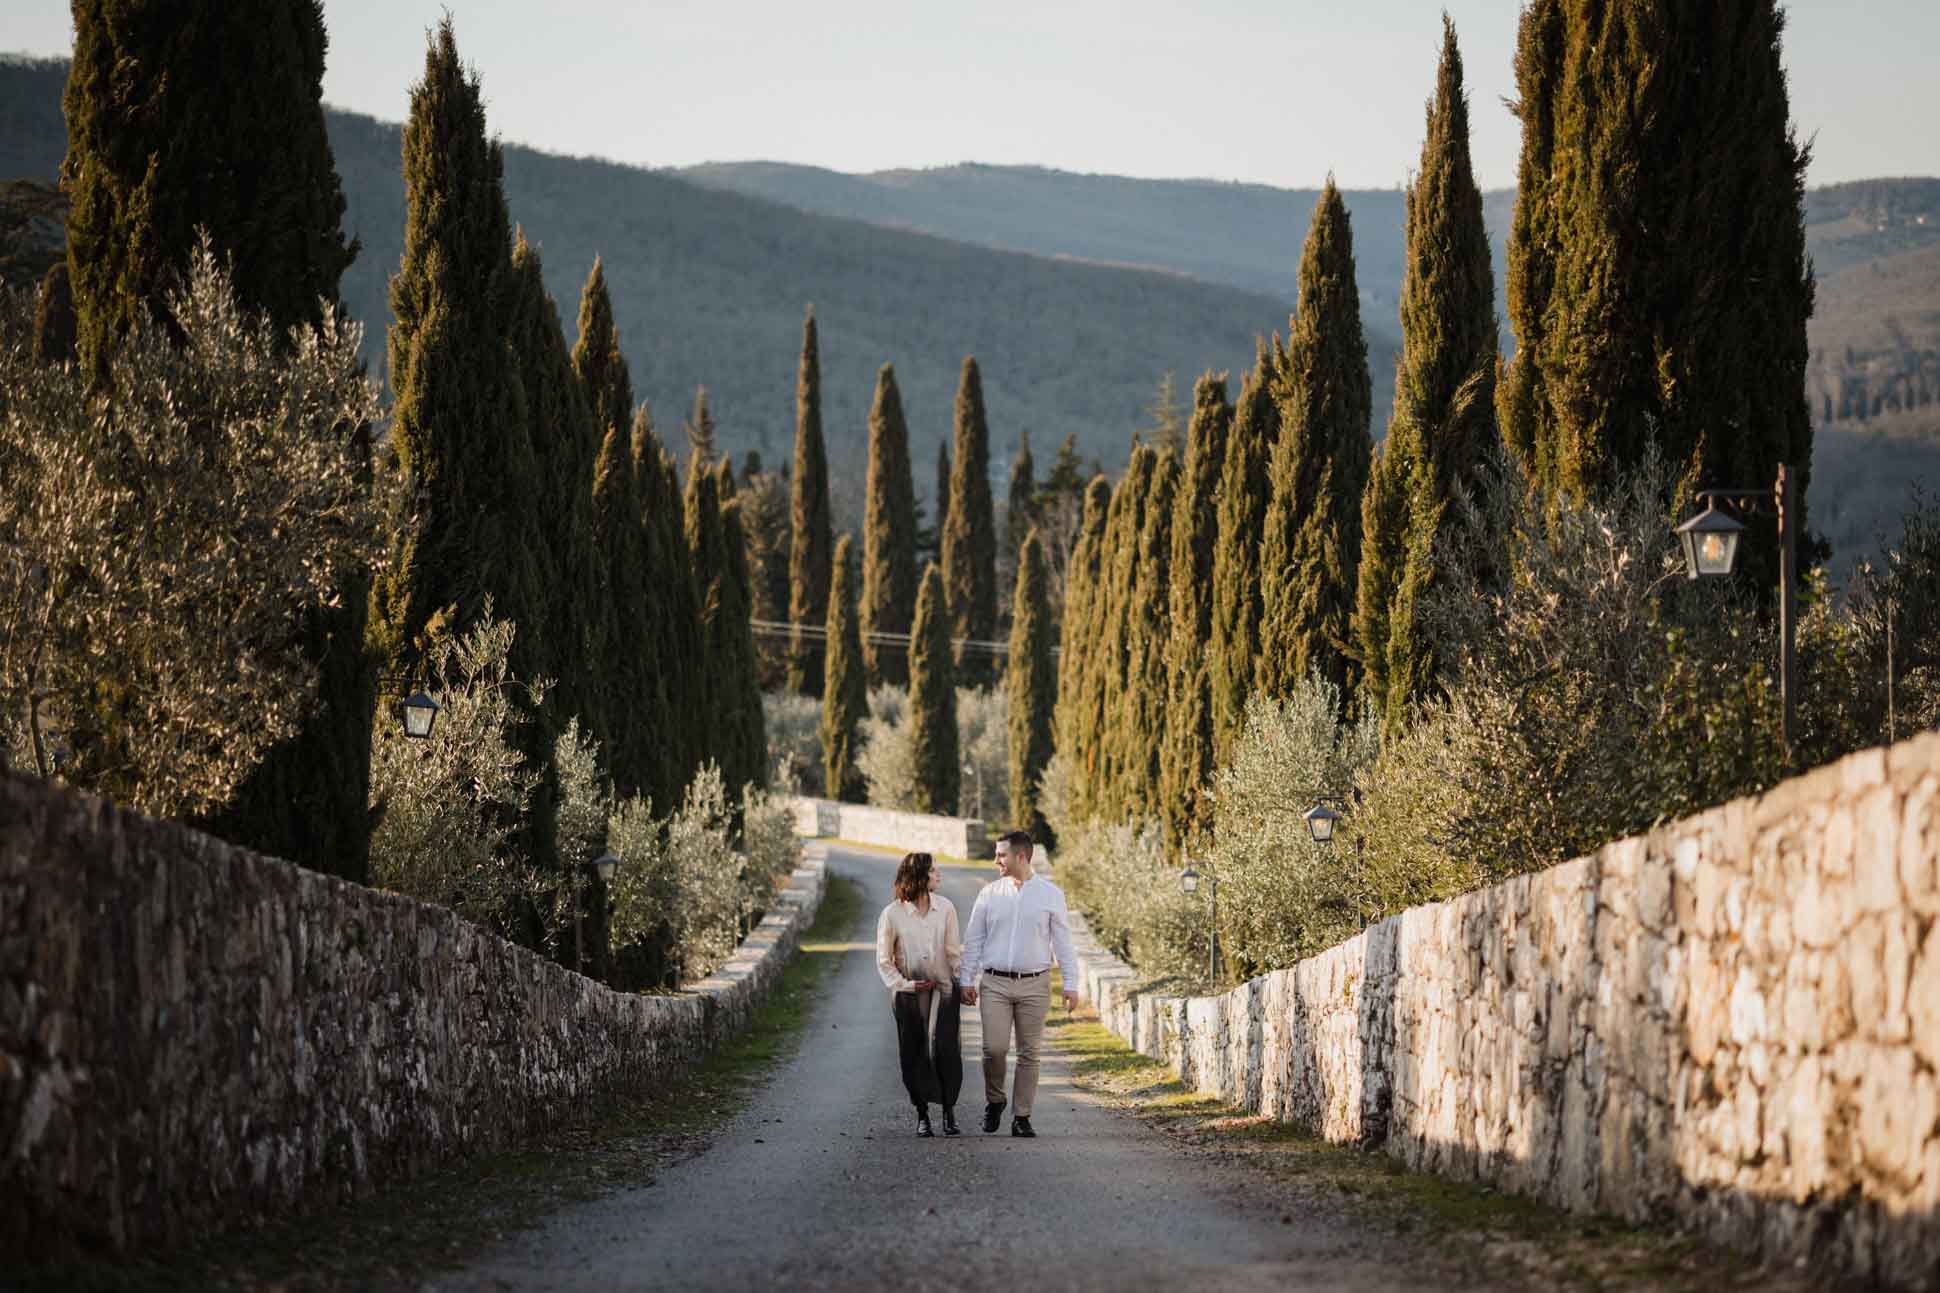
(929, 1079)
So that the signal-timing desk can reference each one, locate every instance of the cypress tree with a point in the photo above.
(1111, 678)
(1658, 281)
(808, 559)
(1244, 491)
(699, 429)
(1067, 478)
(845, 698)
(933, 700)
(143, 176)
(969, 539)
(562, 431)
(677, 656)
(888, 535)
(199, 114)
(1031, 683)
(707, 551)
(459, 429)
(1185, 758)
(628, 692)
(1444, 425)
(743, 737)
(597, 359)
(764, 515)
(1310, 553)
(1138, 722)
(1076, 658)
(931, 542)
(1020, 500)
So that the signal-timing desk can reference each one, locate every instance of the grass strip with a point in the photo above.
(1470, 1232)
(398, 1236)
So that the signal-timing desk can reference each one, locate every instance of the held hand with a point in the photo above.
(969, 996)
(923, 985)
(1070, 1001)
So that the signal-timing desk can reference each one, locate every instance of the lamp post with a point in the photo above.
(1189, 884)
(1710, 542)
(604, 866)
(1322, 820)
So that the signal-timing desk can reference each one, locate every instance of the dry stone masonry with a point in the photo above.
(957, 837)
(1732, 1022)
(192, 1035)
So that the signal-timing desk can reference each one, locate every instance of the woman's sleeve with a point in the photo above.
(892, 978)
(953, 942)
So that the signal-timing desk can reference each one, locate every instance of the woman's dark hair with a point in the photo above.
(913, 876)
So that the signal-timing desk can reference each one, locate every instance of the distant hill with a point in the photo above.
(709, 287)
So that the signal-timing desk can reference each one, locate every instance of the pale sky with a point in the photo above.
(1274, 91)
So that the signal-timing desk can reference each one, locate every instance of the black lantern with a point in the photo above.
(1189, 880)
(1320, 821)
(420, 713)
(1710, 542)
(605, 865)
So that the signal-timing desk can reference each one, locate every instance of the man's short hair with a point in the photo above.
(1018, 840)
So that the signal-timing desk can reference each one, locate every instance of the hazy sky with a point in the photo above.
(1276, 91)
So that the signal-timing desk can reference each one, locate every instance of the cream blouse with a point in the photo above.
(911, 946)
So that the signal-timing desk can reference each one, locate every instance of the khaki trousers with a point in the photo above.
(1004, 1004)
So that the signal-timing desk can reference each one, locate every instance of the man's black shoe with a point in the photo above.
(923, 1123)
(950, 1127)
(993, 1115)
(1021, 1127)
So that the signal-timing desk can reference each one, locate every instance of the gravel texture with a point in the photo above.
(821, 1183)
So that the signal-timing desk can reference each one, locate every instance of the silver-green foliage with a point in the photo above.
(794, 741)
(888, 761)
(160, 532)
(1282, 896)
(449, 806)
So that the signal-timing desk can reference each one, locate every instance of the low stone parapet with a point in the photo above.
(961, 837)
(193, 1036)
(1732, 1022)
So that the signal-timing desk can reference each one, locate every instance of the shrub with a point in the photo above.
(794, 723)
(887, 760)
(983, 736)
(1281, 896)
(160, 533)
(1119, 875)
(449, 807)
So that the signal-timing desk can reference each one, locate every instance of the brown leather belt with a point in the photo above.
(1016, 974)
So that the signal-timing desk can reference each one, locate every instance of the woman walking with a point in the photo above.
(919, 949)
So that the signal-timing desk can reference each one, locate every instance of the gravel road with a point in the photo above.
(820, 1183)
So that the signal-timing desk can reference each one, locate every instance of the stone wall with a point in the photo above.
(193, 1036)
(957, 837)
(1732, 1022)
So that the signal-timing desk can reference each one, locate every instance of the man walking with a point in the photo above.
(1018, 924)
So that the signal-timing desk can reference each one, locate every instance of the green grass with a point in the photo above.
(1476, 1231)
(399, 1236)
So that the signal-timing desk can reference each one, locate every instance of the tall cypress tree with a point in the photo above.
(764, 515)
(143, 177)
(630, 691)
(969, 539)
(597, 359)
(677, 656)
(742, 738)
(1244, 492)
(888, 535)
(1112, 679)
(1185, 756)
(1444, 420)
(459, 428)
(199, 114)
(700, 429)
(1083, 581)
(707, 551)
(1139, 720)
(1020, 500)
(808, 560)
(1031, 684)
(931, 543)
(1310, 553)
(1658, 281)
(562, 431)
(933, 700)
(845, 698)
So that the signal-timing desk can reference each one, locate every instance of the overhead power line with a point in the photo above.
(819, 633)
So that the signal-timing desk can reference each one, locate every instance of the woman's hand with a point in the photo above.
(924, 985)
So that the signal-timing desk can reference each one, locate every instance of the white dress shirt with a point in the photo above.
(1018, 927)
